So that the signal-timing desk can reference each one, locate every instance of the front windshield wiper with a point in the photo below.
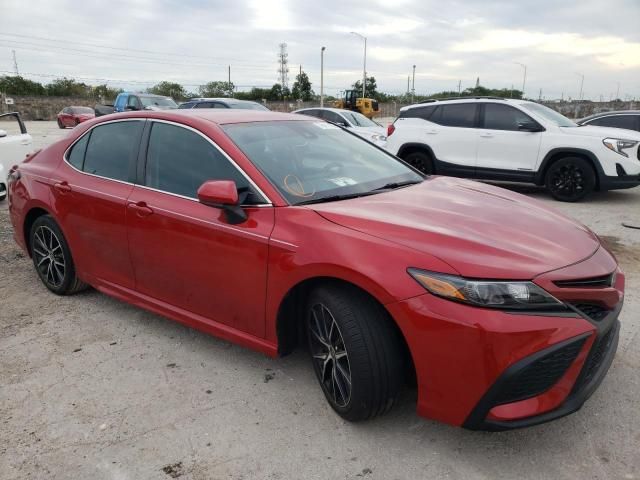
(335, 198)
(392, 185)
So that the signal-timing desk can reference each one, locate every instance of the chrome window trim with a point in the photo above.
(65, 155)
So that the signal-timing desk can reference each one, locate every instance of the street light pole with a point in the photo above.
(322, 76)
(364, 69)
(524, 79)
(581, 75)
(413, 84)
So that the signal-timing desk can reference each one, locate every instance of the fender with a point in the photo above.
(539, 179)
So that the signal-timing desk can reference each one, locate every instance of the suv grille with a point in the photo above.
(603, 281)
(593, 311)
(540, 375)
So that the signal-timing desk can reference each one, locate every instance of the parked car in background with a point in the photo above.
(354, 121)
(15, 144)
(72, 116)
(629, 119)
(223, 103)
(127, 101)
(268, 229)
(515, 140)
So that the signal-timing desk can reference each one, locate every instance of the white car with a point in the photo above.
(354, 121)
(13, 148)
(515, 140)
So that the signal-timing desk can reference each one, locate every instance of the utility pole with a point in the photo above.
(15, 64)
(322, 76)
(581, 75)
(459, 86)
(408, 80)
(283, 70)
(364, 68)
(229, 77)
(618, 92)
(540, 96)
(524, 79)
(413, 84)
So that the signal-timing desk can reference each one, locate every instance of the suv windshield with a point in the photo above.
(309, 161)
(549, 114)
(161, 102)
(359, 120)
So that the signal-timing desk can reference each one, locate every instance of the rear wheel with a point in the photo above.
(570, 179)
(52, 257)
(420, 161)
(356, 352)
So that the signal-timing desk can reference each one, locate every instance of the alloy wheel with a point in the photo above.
(330, 355)
(49, 256)
(568, 180)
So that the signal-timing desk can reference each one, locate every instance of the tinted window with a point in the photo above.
(204, 105)
(419, 112)
(618, 121)
(331, 116)
(76, 154)
(504, 117)
(132, 101)
(311, 113)
(187, 105)
(112, 149)
(455, 115)
(179, 161)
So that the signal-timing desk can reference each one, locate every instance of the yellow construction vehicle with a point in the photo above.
(350, 101)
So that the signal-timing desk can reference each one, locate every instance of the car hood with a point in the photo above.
(602, 132)
(368, 131)
(480, 230)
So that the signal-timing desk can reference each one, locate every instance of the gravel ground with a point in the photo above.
(91, 387)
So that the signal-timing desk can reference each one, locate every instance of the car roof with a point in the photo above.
(220, 99)
(221, 116)
(454, 100)
(608, 114)
(329, 109)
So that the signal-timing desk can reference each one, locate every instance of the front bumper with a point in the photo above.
(466, 358)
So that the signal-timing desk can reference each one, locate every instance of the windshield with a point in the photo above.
(248, 106)
(359, 120)
(549, 114)
(82, 110)
(162, 102)
(309, 161)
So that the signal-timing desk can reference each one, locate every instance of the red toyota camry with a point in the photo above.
(271, 229)
(72, 116)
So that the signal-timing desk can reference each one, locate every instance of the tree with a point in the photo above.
(68, 87)
(216, 89)
(372, 87)
(278, 93)
(302, 88)
(17, 85)
(169, 89)
(106, 93)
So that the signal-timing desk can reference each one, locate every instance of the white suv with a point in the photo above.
(515, 140)
(13, 148)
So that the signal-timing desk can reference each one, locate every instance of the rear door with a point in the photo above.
(90, 191)
(505, 151)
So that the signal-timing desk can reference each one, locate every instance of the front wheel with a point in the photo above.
(52, 257)
(356, 351)
(60, 124)
(570, 179)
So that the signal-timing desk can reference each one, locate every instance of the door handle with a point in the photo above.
(62, 187)
(141, 208)
(486, 135)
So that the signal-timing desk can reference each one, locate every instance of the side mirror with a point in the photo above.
(529, 127)
(223, 194)
(3, 133)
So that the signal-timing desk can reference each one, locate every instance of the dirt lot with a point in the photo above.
(92, 388)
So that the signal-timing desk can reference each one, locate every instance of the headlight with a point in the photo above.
(378, 138)
(486, 293)
(618, 145)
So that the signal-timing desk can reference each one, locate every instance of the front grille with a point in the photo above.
(602, 281)
(596, 357)
(540, 375)
(593, 311)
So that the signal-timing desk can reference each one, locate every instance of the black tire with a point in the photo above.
(570, 179)
(3, 188)
(363, 344)
(52, 257)
(60, 125)
(421, 161)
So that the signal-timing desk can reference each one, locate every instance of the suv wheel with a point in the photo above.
(420, 161)
(570, 179)
(356, 352)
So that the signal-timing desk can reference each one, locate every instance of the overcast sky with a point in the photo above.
(134, 44)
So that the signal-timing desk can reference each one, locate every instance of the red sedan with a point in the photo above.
(265, 229)
(72, 116)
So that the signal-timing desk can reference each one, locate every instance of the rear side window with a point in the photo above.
(76, 155)
(504, 117)
(455, 115)
(204, 105)
(632, 122)
(112, 149)
(419, 112)
(179, 161)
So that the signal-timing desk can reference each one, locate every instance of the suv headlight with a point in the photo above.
(619, 145)
(486, 293)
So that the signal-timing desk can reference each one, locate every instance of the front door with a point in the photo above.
(185, 253)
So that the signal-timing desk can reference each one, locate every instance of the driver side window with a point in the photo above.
(132, 101)
(332, 117)
(179, 161)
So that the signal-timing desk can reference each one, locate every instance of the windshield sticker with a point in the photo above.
(326, 126)
(343, 181)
